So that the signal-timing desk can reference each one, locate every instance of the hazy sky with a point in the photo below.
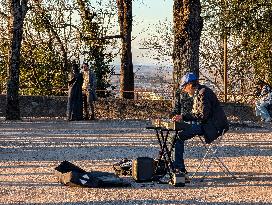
(152, 10)
(145, 13)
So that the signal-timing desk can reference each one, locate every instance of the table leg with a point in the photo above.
(165, 153)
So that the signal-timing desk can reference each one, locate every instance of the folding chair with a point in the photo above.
(211, 151)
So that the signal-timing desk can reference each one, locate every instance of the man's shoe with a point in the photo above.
(187, 178)
(178, 179)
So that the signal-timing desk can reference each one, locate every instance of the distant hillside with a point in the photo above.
(148, 69)
(149, 78)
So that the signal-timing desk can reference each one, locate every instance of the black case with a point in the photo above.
(143, 169)
(72, 175)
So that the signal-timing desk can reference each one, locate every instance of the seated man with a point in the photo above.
(264, 100)
(207, 118)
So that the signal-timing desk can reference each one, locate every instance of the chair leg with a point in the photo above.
(212, 150)
(220, 163)
(224, 168)
(202, 161)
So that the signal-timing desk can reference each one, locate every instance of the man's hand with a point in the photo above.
(177, 118)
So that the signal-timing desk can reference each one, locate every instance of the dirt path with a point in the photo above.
(31, 149)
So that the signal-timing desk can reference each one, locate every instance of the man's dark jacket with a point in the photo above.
(208, 112)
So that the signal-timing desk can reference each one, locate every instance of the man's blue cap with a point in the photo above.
(187, 78)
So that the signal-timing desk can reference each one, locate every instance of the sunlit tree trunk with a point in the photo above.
(18, 11)
(187, 30)
(125, 22)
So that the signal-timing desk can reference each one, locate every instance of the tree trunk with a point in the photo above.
(187, 30)
(18, 11)
(127, 75)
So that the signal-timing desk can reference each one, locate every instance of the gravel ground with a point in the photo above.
(31, 149)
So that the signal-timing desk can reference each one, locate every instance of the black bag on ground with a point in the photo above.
(66, 166)
(94, 179)
(143, 169)
(71, 175)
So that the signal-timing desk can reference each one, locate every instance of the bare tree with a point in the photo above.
(18, 10)
(125, 22)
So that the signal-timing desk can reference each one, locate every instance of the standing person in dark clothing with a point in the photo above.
(207, 117)
(75, 103)
(89, 91)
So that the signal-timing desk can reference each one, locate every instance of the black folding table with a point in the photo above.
(166, 148)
